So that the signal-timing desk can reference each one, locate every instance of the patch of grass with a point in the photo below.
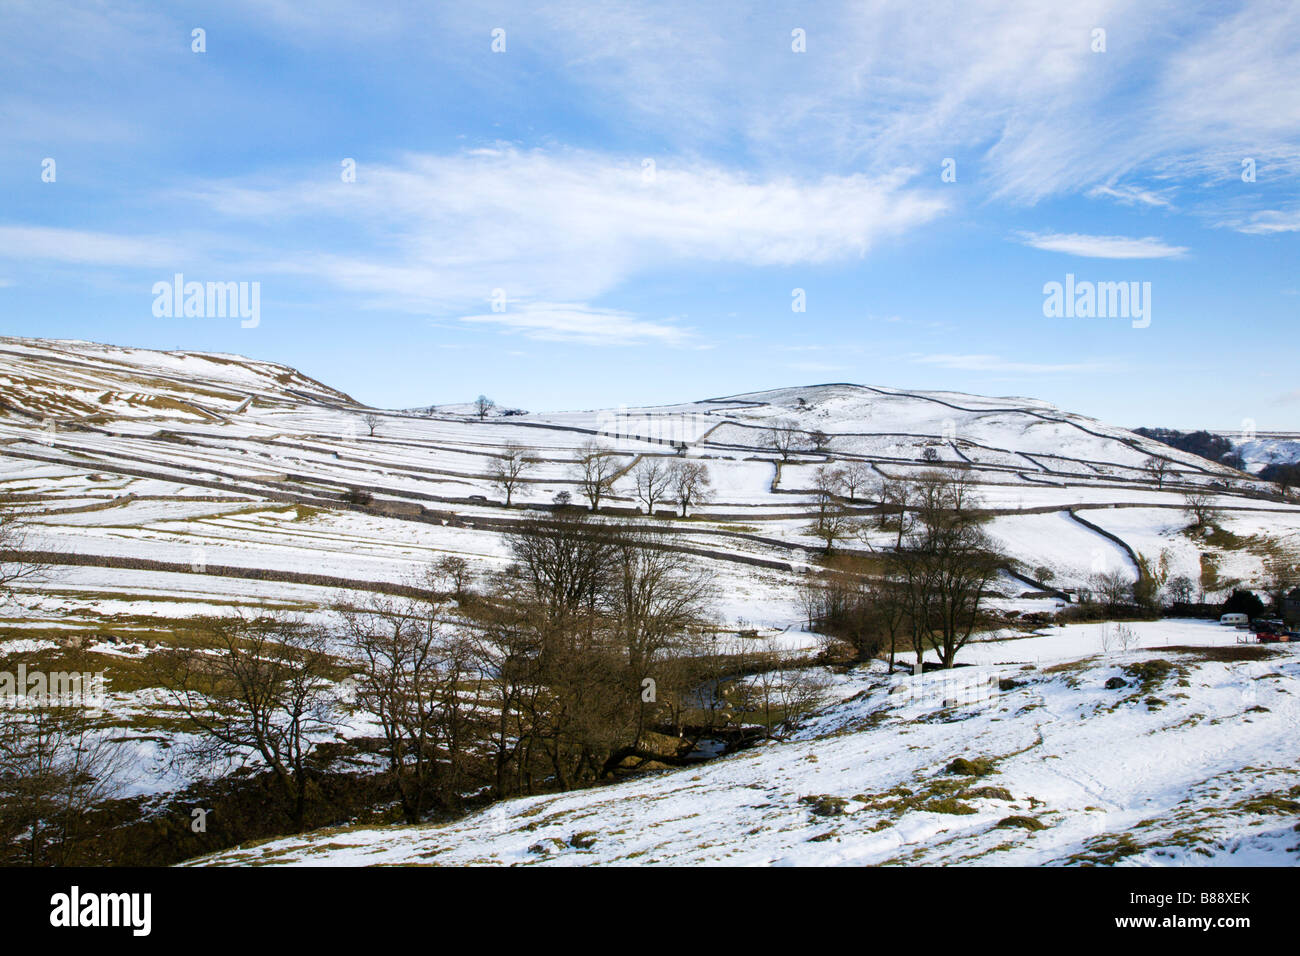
(1223, 655)
(1149, 674)
(1026, 823)
(949, 805)
(989, 793)
(978, 767)
(1277, 802)
(1107, 850)
(824, 805)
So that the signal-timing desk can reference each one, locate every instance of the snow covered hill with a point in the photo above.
(1061, 748)
(161, 485)
(219, 462)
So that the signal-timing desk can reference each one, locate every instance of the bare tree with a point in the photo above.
(1181, 589)
(1199, 505)
(563, 563)
(15, 564)
(412, 676)
(253, 689)
(947, 564)
(690, 483)
(371, 421)
(1113, 588)
(1280, 576)
(819, 439)
(831, 520)
(897, 498)
(508, 654)
(482, 406)
(450, 573)
(783, 696)
(595, 467)
(657, 596)
(856, 476)
(653, 481)
(56, 764)
(592, 647)
(507, 469)
(783, 435)
(1158, 469)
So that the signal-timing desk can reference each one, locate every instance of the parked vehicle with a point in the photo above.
(1274, 632)
(1228, 619)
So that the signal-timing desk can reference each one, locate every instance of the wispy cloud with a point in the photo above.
(1268, 222)
(1131, 195)
(582, 324)
(85, 248)
(444, 231)
(1102, 247)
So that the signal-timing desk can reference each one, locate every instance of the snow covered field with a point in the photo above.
(1192, 761)
(160, 486)
(186, 458)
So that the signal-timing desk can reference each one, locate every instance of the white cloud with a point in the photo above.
(566, 226)
(1268, 222)
(85, 248)
(582, 324)
(1130, 195)
(1102, 247)
(1011, 87)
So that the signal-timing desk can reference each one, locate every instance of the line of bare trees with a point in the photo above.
(55, 764)
(928, 592)
(585, 656)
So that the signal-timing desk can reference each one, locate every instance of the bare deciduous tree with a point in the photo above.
(482, 406)
(653, 481)
(1181, 589)
(508, 468)
(946, 564)
(856, 477)
(690, 483)
(595, 467)
(1113, 589)
(897, 498)
(783, 435)
(56, 764)
(15, 564)
(1158, 469)
(831, 520)
(251, 689)
(450, 573)
(413, 677)
(371, 421)
(1199, 505)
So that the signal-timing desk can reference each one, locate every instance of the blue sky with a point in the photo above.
(648, 184)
